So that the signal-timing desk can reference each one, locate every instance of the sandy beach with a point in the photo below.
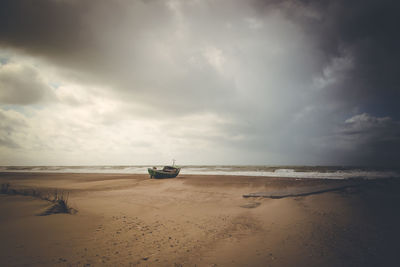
(192, 220)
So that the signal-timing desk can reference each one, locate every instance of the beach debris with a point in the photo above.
(303, 191)
(251, 205)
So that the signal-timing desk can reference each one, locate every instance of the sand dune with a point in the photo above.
(130, 220)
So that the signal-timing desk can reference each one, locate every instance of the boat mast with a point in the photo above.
(173, 162)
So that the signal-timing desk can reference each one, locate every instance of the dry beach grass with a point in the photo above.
(130, 220)
(59, 199)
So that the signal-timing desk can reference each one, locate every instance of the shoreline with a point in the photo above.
(297, 172)
(5, 173)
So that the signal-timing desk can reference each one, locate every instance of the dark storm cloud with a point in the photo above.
(366, 33)
(288, 73)
(371, 127)
(367, 29)
(74, 34)
(82, 33)
(48, 28)
(374, 139)
(132, 46)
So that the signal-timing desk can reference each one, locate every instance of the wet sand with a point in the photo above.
(192, 220)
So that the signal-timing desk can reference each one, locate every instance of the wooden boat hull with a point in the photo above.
(159, 174)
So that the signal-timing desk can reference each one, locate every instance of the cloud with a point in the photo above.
(369, 139)
(22, 85)
(364, 128)
(151, 51)
(96, 134)
(257, 81)
(10, 124)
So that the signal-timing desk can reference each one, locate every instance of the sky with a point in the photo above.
(261, 82)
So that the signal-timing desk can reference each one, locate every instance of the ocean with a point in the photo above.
(316, 172)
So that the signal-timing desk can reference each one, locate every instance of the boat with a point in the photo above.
(166, 172)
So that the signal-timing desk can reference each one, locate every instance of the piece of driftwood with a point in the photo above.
(297, 192)
(251, 205)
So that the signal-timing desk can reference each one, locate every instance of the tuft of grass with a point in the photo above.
(57, 197)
